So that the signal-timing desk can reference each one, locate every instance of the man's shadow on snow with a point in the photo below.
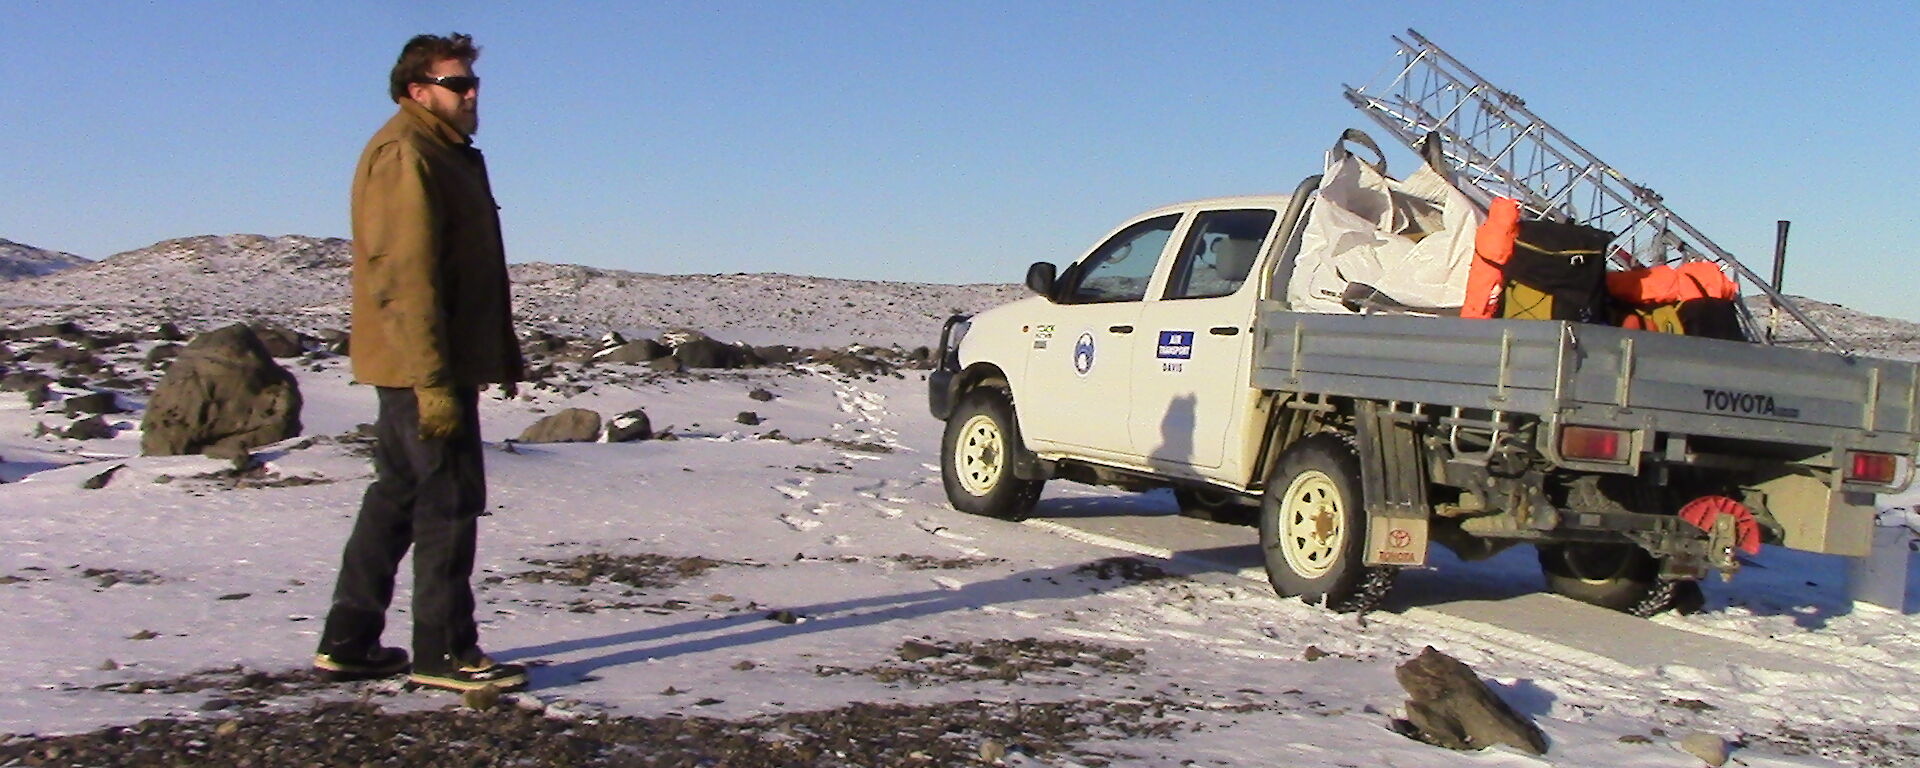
(758, 626)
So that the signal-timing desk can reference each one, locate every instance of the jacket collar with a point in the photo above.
(431, 123)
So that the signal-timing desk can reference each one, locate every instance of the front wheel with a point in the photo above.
(976, 458)
(1313, 525)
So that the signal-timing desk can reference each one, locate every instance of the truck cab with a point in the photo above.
(1142, 344)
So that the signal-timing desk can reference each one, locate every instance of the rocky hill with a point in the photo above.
(19, 260)
(303, 282)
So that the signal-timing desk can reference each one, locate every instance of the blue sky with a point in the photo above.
(937, 142)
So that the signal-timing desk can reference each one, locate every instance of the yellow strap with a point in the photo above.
(1538, 249)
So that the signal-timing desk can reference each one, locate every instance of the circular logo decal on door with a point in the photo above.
(1083, 353)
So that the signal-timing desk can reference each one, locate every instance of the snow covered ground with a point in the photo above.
(811, 560)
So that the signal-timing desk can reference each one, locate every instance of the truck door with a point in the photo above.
(1082, 344)
(1190, 385)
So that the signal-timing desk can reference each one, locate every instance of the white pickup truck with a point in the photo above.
(1637, 462)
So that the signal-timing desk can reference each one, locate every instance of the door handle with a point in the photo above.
(1119, 329)
(1224, 330)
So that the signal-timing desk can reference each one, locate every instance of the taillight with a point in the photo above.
(1870, 467)
(1595, 444)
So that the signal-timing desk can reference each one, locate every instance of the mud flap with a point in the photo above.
(1396, 541)
(1393, 480)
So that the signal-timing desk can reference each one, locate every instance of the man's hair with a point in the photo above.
(421, 53)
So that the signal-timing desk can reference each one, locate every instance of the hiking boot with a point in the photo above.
(340, 667)
(470, 671)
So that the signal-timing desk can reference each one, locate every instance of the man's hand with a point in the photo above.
(439, 412)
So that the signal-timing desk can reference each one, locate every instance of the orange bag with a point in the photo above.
(1492, 246)
(1662, 284)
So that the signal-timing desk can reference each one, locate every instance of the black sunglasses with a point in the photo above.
(455, 83)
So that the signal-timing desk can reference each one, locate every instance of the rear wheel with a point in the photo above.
(1215, 505)
(1313, 525)
(1617, 576)
(976, 458)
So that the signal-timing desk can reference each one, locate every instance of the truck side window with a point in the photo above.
(1219, 253)
(1120, 268)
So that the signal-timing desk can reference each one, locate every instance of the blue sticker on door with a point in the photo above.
(1083, 353)
(1174, 350)
(1175, 345)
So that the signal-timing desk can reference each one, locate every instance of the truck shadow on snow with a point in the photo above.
(1809, 588)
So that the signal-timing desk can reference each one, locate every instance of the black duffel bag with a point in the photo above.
(1558, 271)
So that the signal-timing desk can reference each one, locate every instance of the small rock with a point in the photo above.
(748, 418)
(991, 751)
(760, 394)
(162, 353)
(109, 665)
(236, 596)
(98, 402)
(914, 650)
(145, 634)
(784, 616)
(1634, 738)
(1313, 653)
(744, 665)
(100, 481)
(89, 428)
(708, 702)
(482, 698)
(215, 704)
(1709, 748)
(227, 728)
(671, 691)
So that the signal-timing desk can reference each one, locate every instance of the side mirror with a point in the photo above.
(1040, 278)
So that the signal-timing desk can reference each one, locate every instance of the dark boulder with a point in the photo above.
(279, 342)
(98, 402)
(60, 354)
(167, 331)
(24, 381)
(629, 427)
(67, 330)
(335, 341)
(89, 428)
(161, 353)
(223, 390)
(777, 354)
(642, 351)
(573, 425)
(705, 352)
(1450, 706)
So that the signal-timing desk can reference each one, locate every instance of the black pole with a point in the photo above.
(1780, 252)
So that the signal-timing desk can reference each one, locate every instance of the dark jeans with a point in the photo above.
(428, 495)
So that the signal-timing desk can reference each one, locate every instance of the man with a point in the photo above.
(432, 323)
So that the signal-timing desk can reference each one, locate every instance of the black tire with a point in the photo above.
(976, 458)
(1215, 505)
(1616, 576)
(1313, 523)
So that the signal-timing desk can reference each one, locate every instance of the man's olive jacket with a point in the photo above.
(430, 293)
